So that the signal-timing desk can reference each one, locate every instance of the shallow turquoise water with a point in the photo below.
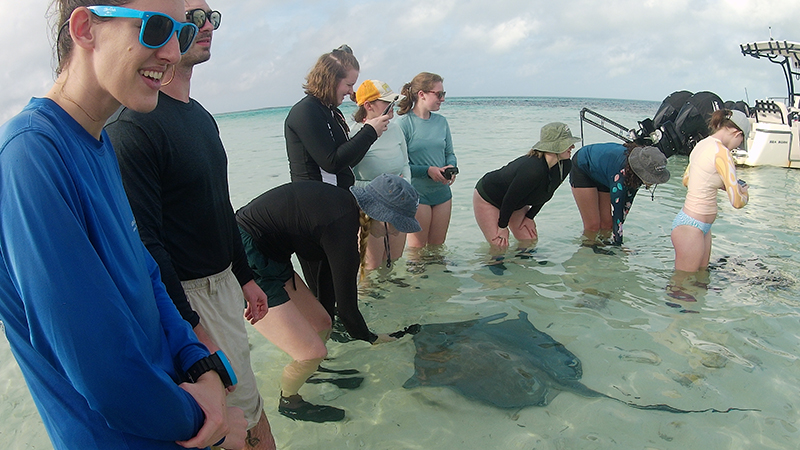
(609, 310)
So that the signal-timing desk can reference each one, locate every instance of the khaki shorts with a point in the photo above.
(219, 301)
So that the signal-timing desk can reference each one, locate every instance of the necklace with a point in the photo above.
(69, 99)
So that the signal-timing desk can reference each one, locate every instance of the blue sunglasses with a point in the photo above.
(157, 28)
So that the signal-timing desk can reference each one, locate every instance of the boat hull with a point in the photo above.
(771, 144)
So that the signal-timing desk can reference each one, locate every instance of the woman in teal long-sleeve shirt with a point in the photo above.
(430, 152)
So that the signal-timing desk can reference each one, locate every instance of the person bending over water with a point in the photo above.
(430, 154)
(388, 154)
(318, 222)
(109, 361)
(605, 179)
(510, 197)
(710, 169)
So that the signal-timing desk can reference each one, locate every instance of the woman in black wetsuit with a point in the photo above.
(316, 132)
(320, 223)
(510, 197)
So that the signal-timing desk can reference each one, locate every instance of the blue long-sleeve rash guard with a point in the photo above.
(97, 338)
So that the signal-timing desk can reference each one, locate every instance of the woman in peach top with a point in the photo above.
(710, 168)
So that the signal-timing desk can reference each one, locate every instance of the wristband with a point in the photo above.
(217, 362)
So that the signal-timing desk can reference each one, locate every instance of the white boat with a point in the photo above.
(774, 138)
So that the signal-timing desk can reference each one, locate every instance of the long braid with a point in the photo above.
(366, 223)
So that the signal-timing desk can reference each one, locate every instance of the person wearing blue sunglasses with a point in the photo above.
(108, 359)
(156, 28)
(173, 164)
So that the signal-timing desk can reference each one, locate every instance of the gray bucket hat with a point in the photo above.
(555, 137)
(390, 198)
(649, 164)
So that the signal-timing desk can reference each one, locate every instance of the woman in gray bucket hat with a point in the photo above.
(605, 178)
(318, 222)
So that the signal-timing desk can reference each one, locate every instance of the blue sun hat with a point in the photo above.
(390, 198)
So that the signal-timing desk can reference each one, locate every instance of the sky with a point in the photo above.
(620, 49)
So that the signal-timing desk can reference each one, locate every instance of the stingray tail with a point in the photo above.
(492, 318)
(667, 408)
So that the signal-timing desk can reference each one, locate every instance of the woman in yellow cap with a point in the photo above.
(388, 154)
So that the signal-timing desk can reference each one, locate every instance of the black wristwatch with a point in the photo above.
(217, 362)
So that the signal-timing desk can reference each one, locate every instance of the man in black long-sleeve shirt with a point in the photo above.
(174, 169)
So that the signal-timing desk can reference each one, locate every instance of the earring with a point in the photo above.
(171, 78)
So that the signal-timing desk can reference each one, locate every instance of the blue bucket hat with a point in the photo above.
(390, 198)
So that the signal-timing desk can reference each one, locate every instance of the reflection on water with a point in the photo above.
(612, 311)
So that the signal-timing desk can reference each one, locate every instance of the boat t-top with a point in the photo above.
(682, 119)
(775, 126)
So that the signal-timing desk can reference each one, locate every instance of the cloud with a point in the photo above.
(629, 49)
(499, 38)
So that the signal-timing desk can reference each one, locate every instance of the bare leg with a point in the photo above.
(397, 244)
(295, 328)
(587, 200)
(376, 252)
(440, 222)
(692, 248)
(420, 238)
(487, 216)
(523, 229)
(295, 325)
(376, 247)
(260, 436)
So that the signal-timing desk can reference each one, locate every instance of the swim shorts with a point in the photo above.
(270, 275)
(684, 219)
(484, 195)
(580, 179)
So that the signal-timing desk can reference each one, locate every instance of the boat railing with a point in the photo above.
(605, 124)
(769, 111)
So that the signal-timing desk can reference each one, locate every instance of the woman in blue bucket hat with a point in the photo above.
(318, 222)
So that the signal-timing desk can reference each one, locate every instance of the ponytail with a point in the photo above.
(424, 81)
(721, 119)
(360, 114)
(407, 103)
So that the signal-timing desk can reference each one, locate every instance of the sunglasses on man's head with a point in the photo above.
(199, 17)
(157, 28)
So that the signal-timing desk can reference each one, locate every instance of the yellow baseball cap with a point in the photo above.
(371, 90)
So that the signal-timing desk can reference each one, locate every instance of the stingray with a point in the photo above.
(508, 364)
